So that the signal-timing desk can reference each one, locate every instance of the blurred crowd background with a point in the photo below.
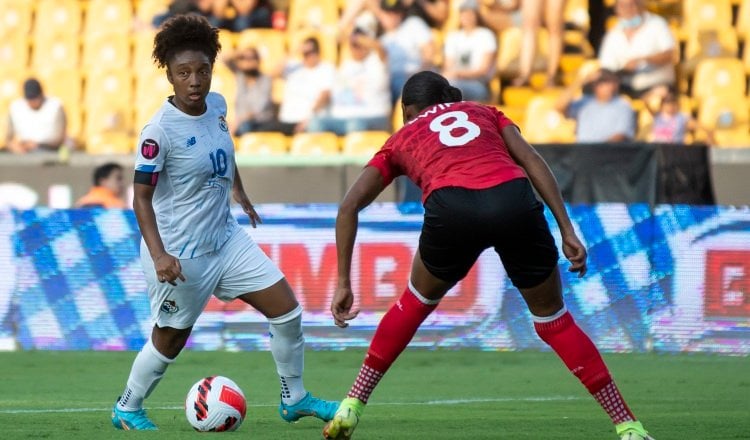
(310, 77)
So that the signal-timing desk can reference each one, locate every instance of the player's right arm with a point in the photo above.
(367, 187)
(148, 163)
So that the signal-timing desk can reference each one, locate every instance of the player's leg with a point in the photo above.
(252, 277)
(533, 269)
(394, 332)
(174, 310)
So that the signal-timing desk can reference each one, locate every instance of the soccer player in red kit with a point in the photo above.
(476, 173)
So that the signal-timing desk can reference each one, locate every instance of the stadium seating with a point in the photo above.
(271, 45)
(509, 52)
(705, 44)
(314, 144)
(314, 14)
(57, 18)
(706, 15)
(263, 144)
(108, 100)
(722, 77)
(14, 52)
(114, 142)
(544, 124)
(102, 52)
(728, 117)
(15, 18)
(108, 17)
(57, 52)
(364, 143)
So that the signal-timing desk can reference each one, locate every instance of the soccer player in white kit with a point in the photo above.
(192, 246)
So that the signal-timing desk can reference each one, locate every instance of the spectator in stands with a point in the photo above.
(211, 9)
(360, 98)
(434, 12)
(499, 15)
(254, 108)
(470, 50)
(247, 14)
(407, 41)
(531, 16)
(601, 114)
(672, 125)
(307, 88)
(36, 122)
(640, 48)
(108, 190)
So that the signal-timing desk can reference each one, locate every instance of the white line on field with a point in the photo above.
(426, 402)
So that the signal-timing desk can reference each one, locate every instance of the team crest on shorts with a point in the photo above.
(223, 123)
(150, 148)
(169, 306)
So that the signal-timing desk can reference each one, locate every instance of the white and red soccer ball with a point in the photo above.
(215, 404)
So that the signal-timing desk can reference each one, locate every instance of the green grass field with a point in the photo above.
(426, 395)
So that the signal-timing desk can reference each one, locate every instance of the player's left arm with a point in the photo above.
(240, 196)
(546, 184)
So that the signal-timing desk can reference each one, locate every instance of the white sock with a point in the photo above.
(147, 370)
(288, 350)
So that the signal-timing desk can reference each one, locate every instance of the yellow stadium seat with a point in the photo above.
(364, 143)
(517, 96)
(108, 17)
(547, 124)
(110, 143)
(143, 47)
(227, 40)
(263, 143)
(151, 90)
(725, 115)
(515, 114)
(145, 10)
(10, 88)
(105, 52)
(314, 144)
(327, 42)
(15, 17)
(74, 119)
(270, 44)
(312, 14)
(14, 52)
(397, 120)
(706, 15)
(224, 82)
(743, 20)
(65, 84)
(724, 77)
(709, 44)
(57, 17)
(56, 52)
(508, 54)
(108, 101)
(577, 13)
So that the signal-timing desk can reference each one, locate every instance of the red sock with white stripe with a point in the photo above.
(582, 358)
(393, 334)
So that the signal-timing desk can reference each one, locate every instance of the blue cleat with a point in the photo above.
(308, 406)
(131, 420)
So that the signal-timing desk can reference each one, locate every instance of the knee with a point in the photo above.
(169, 341)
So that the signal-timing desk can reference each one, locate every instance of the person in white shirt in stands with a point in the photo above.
(307, 88)
(36, 122)
(407, 40)
(640, 48)
(470, 51)
(360, 98)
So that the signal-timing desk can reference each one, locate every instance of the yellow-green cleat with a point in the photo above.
(632, 431)
(345, 421)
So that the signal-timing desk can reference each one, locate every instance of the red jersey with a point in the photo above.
(453, 144)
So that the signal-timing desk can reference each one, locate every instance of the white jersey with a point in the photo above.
(194, 156)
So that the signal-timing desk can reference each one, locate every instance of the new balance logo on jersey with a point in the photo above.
(191, 141)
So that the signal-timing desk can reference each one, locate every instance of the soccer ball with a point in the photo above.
(215, 404)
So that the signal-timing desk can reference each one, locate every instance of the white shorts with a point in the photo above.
(239, 267)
